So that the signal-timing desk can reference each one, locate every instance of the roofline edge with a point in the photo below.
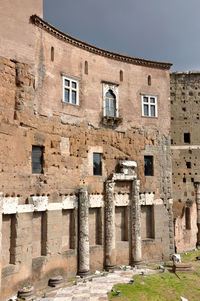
(39, 22)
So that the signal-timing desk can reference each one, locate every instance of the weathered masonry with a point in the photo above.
(85, 154)
(185, 126)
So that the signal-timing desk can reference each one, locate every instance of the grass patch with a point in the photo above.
(190, 256)
(160, 287)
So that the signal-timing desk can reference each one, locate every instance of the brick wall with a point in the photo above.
(185, 92)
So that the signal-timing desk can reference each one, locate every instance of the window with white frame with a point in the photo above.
(110, 100)
(149, 106)
(70, 90)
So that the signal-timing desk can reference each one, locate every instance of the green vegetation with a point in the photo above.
(160, 287)
(163, 286)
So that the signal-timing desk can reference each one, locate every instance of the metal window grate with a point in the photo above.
(37, 159)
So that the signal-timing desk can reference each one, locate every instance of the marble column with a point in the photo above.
(136, 241)
(198, 212)
(83, 233)
(110, 251)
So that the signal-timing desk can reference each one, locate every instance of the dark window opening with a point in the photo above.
(37, 159)
(86, 67)
(187, 218)
(97, 164)
(121, 76)
(149, 80)
(148, 165)
(188, 164)
(187, 137)
(184, 180)
(52, 54)
(172, 141)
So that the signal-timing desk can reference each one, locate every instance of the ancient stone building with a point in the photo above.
(85, 159)
(185, 126)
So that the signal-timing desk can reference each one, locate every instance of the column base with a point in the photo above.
(110, 268)
(83, 273)
(137, 262)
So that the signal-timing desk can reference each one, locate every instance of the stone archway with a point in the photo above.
(127, 173)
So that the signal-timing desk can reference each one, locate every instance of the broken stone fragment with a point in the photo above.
(26, 293)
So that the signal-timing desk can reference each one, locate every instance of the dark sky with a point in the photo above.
(165, 30)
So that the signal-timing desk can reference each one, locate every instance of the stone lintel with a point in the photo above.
(123, 177)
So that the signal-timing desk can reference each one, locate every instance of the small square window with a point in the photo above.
(149, 106)
(148, 165)
(188, 164)
(97, 164)
(37, 159)
(186, 137)
(70, 91)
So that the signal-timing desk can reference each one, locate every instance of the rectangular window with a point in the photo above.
(148, 165)
(70, 91)
(149, 106)
(186, 137)
(37, 159)
(97, 164)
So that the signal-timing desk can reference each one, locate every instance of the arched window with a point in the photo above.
(110, 104)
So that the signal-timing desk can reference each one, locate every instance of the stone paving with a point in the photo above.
(95, 290)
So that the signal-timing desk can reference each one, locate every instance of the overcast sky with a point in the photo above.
(164, 30)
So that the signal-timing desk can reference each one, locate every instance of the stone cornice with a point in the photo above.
(109, 54)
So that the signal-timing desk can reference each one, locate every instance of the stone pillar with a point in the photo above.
(83, 235)
(198, 213)
(171, 230)
(136, 241)
(1, 209)
(110, 251)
